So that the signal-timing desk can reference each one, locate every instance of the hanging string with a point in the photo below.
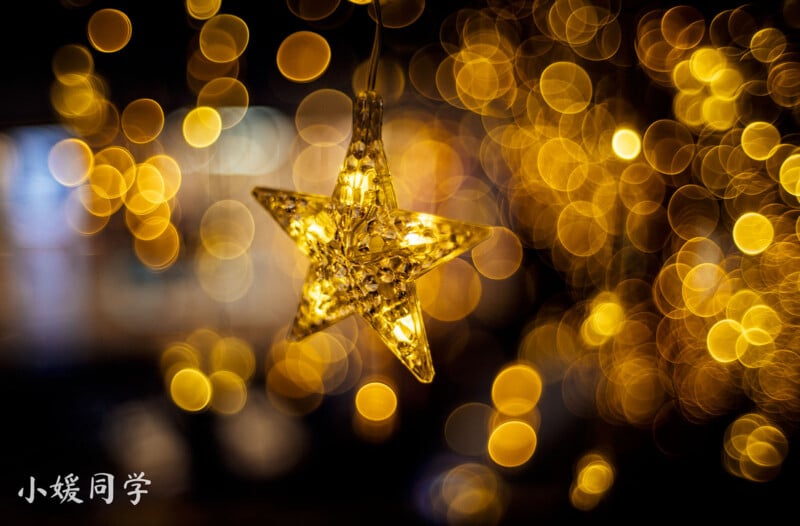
(376, 47)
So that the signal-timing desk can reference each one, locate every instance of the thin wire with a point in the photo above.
(376, 47)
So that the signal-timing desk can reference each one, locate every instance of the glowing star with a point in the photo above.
(364, 252)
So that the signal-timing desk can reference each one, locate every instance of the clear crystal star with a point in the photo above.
(364, 252)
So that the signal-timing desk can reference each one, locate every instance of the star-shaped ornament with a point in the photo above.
(365, 253)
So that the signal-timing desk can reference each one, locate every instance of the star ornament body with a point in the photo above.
(365, 253)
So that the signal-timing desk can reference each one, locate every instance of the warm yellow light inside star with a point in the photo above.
(365, 252)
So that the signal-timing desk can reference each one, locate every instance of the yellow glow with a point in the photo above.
(224, 37)
(109, 30)
(303, 56)
(228, 96)
(72, 63)
(70, 161)
(387, 249)
(203, 9)
(626, 143)
(764, 318)
(706, 289)
(229, 392)
(160, 252)
(606, 318)
(404, 329)
(755, 448)
(705, 63)
(753, 233)
(767, 44)
(376, 401)
(190, 389)
(721, 340)
(759, 140)
(516, 389)
(225, 280)
(512, 443)
(471, 493)
(235, 355)
(593, 479)
(450, 292)
(142, 120)
(566, 87)
(500, 256)
(227, 229)
(790, 174)
(150, 224)
(202, 127)
(596, 477)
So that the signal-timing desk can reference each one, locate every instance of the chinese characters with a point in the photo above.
(101, 487)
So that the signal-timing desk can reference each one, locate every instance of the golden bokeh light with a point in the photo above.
(151, 224)
(470, 493)
(229, 392)
(451, 292)
(376, 401)
(200, 70)
(224, 279)
(109, 30)
(516, 389)
(500, 256)
(467, 428)
(190, 389)
(760, 139)
(323, 117)
(767, 44)
(203, 9)
(224, 37)
(303, 56)
(160, 252)
(594, 477)
(512, 443)
(721, 340)
(753, 233)
(233, 354)
(227, 229)
(79, 218)
(755, 448)
(71, 63)
(142, 120)
(566, 87)
(228, 96)
(626, 143)
(202, 127)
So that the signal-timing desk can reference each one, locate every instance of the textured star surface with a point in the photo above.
(365, 253)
